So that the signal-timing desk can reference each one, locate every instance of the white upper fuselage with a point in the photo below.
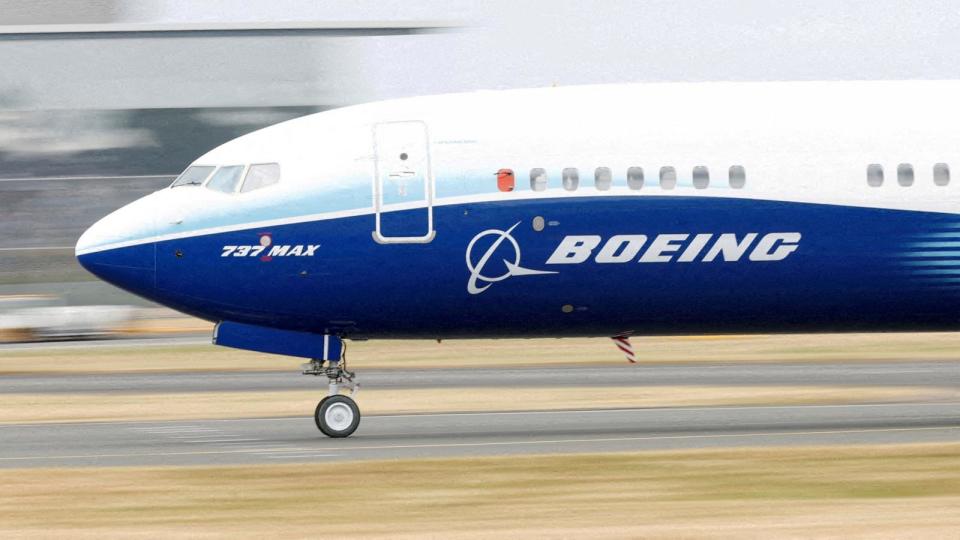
(797, 141)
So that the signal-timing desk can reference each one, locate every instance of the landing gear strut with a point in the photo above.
(337, 415)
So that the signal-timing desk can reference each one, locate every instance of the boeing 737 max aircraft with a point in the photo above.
(585, 211)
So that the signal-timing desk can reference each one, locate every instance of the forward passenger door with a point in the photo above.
(403, 186)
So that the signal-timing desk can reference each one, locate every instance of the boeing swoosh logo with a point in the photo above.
(480, 282)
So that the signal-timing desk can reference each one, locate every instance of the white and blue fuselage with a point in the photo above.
(584, 211)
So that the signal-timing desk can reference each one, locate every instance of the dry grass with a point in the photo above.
(167, 325)
(36, 408)
(465, 353)
(910, 491)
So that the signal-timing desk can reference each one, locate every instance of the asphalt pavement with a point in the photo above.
(296, 439)
(915, 374)
(278, 440)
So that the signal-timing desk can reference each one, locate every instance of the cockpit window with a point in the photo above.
(226, 178)
(260, 176)
(193, 176)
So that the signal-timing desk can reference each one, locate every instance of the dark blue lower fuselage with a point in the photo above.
(856, 269)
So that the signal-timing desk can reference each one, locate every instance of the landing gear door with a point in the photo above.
(403, 187)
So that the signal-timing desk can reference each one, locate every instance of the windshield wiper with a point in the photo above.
(186, 184)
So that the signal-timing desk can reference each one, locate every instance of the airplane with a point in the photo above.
(604, 210)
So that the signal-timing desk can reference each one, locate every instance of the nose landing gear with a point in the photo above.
(336, 415)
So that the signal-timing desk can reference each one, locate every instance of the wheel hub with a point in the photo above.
(338, 416)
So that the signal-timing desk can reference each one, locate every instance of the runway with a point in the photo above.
(296, 439)
(902, 373)
(273, 440)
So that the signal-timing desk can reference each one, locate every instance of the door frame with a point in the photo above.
(378, 189)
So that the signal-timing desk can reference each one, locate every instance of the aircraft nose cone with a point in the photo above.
(118, 249)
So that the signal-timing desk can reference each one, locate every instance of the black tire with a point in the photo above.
(337, 416)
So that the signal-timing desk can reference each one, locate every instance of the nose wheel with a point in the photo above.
(337, 416)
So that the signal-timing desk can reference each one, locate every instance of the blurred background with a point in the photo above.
(103, 101)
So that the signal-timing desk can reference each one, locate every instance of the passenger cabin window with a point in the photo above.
(603, 178)
(875, 175)
(905, 174)
(261, 176)
(193, 176)
(226, 179)
(701, 177)
(668, 177)
(571, 179)
(635, 178)
(941, 174)
(506, 181)
(738, 177)
(538, 179)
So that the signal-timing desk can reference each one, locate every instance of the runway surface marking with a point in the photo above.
(600, 411)
(160, 341)
(85, 178)
(872, 377)
(37, 248)
(263, 440)
(938, 404)
(313, 452)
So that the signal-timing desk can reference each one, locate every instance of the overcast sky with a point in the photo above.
(507, 44)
